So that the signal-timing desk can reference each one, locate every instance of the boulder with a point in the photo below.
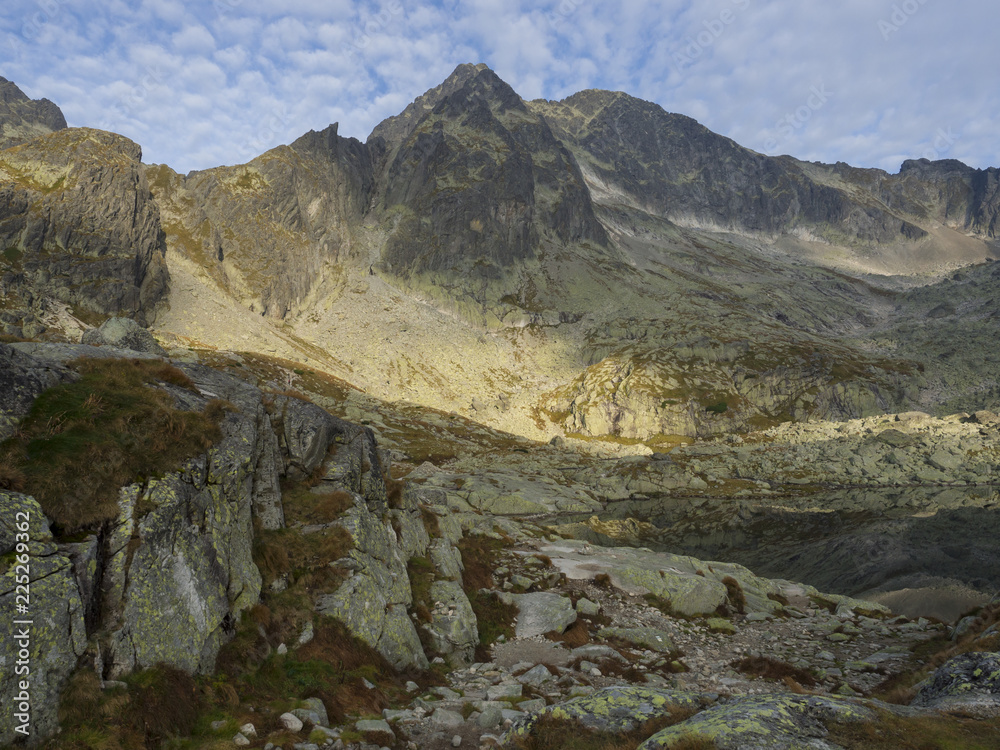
(773, 721)
(453, 628)
(613, 709)
(123, 333)
(541, 613)
(969, 682)
(647, 638)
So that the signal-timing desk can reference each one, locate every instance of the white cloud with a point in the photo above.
(232, 76)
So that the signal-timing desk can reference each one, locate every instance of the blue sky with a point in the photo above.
(199, 84)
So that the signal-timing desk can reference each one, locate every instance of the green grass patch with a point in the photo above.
(111, 427)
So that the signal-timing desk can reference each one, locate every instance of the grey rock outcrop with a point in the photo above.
(22, 119)
(78, 224)
(969, 682)
(41, 647)
(123, 333)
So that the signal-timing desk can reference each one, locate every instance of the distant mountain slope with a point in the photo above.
(22, 119)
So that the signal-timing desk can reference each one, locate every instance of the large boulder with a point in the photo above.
(179, 559)
(374, 602)
(970, 682)
(776, 722)
(123, 333)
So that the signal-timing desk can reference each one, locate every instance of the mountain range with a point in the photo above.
(594, 268)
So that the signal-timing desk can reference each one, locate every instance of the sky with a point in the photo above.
(212, 82)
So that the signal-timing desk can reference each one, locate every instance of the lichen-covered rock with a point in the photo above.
(647, 638)
(453, 628)
(373, 603)
(613, 709)
(181, 573)
(541, 612)
(970, 682)
(774, 722)
(41, 647)
(123, 333)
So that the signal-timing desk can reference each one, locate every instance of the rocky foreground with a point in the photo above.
(318, 583)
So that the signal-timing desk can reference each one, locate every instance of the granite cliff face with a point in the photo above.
(79, 227)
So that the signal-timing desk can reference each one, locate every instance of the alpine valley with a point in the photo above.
(524, 424)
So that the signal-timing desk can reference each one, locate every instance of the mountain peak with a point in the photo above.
(395, 129)
(23, 118)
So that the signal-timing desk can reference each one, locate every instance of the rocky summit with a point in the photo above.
(520, 424)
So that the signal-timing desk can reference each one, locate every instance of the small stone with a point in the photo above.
(826, 656)
(307, 634)
(282, 649)
(368, 684)
(412, 687)
(374, 725)
(456, 741)
(217, 725)
(838, 637)
(248, 730)
(535, 676)
(504, 691)
(291, 722)
(445, 718)
(240, 741)
(587, 607)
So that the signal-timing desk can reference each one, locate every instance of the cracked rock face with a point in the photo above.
(46, 649)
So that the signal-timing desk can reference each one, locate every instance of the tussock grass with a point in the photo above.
(159, 704)
(111, 428)
(301, 505)
(773, 669)
(494, 618)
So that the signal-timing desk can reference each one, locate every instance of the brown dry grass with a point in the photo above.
(549, 733)
(159, 704)
(773, 669)
(942, 732)
(734, 592)
(111, 427)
